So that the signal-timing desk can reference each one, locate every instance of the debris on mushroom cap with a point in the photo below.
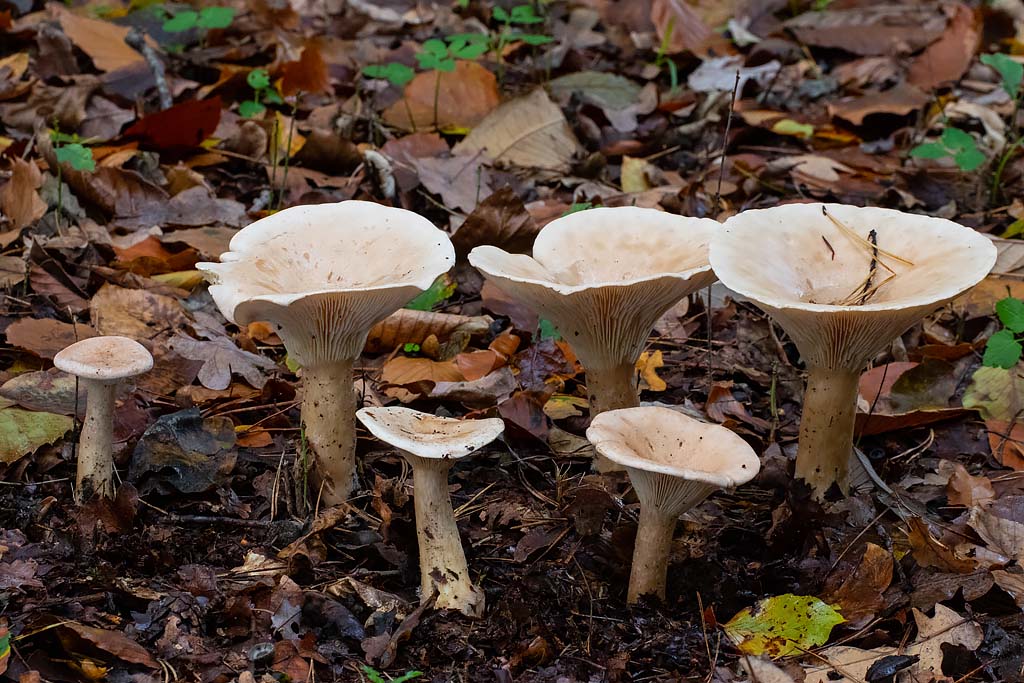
(606, 246)
(429, 436)
(663, 441)
(350, 246)
(104, 358)
(817, 257)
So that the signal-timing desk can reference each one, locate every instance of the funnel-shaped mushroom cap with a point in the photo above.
(326, 273)
(429, 436)
(604, 276)
(104, 359)
(674, 461)
(811, 274)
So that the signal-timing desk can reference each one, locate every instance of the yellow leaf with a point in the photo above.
(634, 175)
(791, 127)
(182, 279)
(562, 406)
(647, 366)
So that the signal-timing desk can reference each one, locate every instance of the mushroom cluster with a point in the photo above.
(842, 281)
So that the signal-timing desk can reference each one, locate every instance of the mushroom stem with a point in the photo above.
(650, 553)
(826, 429)
(95, 475)
(443, 567)
(611, 389)
(328, 416)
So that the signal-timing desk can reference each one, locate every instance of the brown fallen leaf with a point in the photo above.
(482, 393)
(46, 336)
(308, 74)
(928, 551)
(963, 488)
(135, 313)
(419, 374)
(685, 30)
(1006, 440)
(529, 131)
(861, 595)
(406, 326)
(19, 197)
(947, 59)
(1012, 583)
(221, 358)
(1000, 526)
(871, 29)
(111, 642)
(463, 97)
(102, 41)
(899, 100)
(500, 220)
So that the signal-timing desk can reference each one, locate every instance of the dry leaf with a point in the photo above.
(647, 365)
(464, 97)
(500, 220)
(1001, 534)
(103, 41)
(19, 198)
(948, 58)
(634, 174)
(966, 489)
(46, 336)
(689, 33)
(528, 131)
(135, 313)
(220, 358)
(405, 371)
(406, 326)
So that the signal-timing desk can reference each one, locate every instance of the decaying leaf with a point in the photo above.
(463, 98)
(46, 336)
(783, 625)
(220, 359)
(23, 431)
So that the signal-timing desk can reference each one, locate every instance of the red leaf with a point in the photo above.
(309, 74)
(184, 125)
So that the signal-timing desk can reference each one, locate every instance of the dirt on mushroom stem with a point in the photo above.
(328, 417)
(95, 474)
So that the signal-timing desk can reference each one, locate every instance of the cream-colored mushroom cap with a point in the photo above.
(662, 441)
(326, 273)
(429, 436)
(106, 359)
(807, 271)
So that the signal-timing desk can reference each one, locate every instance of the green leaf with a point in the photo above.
(546, 330)
(468, 45)
(957, 140)
(271, 96)
(77, 156)
(1013, 229)
(292, 364)
(258, 79)
(929, 150)
(996, 393)
(1011, 313)
(791, 127)
(407, 676)
(182, 21)
(969, 159)
(435, 47)
(1011, 71)
(783, 625)
(411, 347)
(23, 431)
(501, 15)
(372, 674)
(447, 65)
(442, 288)
(579, 206)
(250, 108)
(216, 17)
(393, 72)
(524, 14)
(534, 39)
(1002, 350)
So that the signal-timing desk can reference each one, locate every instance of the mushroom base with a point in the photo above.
(443, 567)
(328, 417)
(95, 473)
(650, 554)
(611, 389)
(826, 430)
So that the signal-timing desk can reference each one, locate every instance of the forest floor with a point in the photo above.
(116, 178)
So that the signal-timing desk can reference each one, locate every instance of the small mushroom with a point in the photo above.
(674, 462)
(431, 445)
(603, 277)
(844, 281)
(100, 363)
(324, 275)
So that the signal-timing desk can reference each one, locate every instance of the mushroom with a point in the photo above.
(843, 282)
(324, 275)
(674, 462)
(431, 445)
(603, 277)
(100, 363)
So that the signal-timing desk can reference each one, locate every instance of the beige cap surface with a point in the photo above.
(326, 273)
(429, 436)
(806, 271)
(104, 358)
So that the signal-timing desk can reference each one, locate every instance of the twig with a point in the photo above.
(137, 40)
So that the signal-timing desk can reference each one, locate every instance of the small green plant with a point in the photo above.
(662, 58)
(1011, 73)
(956, 144)
(394, 73)
(578, 206)
(207, 18)
(263, 93)
(518, 16)
(374, 676)
(1004, 347)
(71, 150)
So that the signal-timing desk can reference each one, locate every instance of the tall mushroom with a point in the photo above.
(431, 445)
(324, 275)
(100, 363)
(603, 277)
(844, 281)
(674, 462)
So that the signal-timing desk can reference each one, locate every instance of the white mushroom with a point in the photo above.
(324, 275)
(431, 445)
(844, 281)
(603, 277)
(100, 363)
(674, 462)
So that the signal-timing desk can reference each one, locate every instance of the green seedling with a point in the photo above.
(578, 206)
(518, 16)
(374, 676)
(439, 56)
(411, 347)
(394, 73)
(206, 19)
(1004, 347)
(263, 93)
(956, 144)
(1011, 74)
(663, 60)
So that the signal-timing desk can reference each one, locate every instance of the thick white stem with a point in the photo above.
(329, 419)
(611, 389)
(826, 430)
(443, 567)
(650, 554)
(95, 476)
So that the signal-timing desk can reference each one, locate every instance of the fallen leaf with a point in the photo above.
(460, 180)
(861, 595)
(620, 98)
(23, 431)
(1006, 440)
(307, 75)
(633, 176)
(947, 59)
(500, 220)
(102, 41)
(999, 526)
(406, 326)
(48, 391)
(12, 270)
(406, 371)
(968, 490)
(184, 125)
(872, 29)
(681, 29)
(647, 365)
(184, 451)
(484, 392)
(112, 642)
(1012, 583)
(19, 197)
(463, 98)
(928, 551)
(899, 100)
(221, 358)
(46, 336)
(718, 74)
(528, 131)
(783, 625)
(135, 313)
